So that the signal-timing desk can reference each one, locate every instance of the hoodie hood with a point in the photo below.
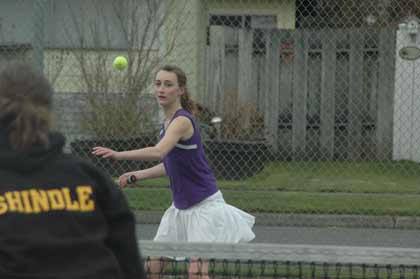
(32, 159)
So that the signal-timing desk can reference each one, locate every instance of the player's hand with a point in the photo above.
(105, 152)
(127, 179)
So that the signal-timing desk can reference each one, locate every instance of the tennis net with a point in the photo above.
(215, 260)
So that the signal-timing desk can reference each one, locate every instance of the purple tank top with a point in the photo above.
(191, 179)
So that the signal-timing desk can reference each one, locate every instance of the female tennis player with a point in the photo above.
(198, 212)
(59, 217)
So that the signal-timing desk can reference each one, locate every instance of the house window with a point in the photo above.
(258, 23)
(234, 21)
(12, 52)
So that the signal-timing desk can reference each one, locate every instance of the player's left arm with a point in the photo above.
(180, 128)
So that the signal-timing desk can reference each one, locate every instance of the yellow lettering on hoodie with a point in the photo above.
(35, 201)
(56, 199)
(14, 201)
(3, 205)
(84, 196)
(70, 204)
(26, 201)
(39, 201)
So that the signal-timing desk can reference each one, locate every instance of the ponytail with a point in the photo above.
(187, 103)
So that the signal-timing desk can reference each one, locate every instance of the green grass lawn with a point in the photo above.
(373, 188)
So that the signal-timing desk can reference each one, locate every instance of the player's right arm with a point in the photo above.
(180, 128)
(153, 172)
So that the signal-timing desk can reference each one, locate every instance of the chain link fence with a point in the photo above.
(318, 101)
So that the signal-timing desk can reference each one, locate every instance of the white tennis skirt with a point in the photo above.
(212, 220)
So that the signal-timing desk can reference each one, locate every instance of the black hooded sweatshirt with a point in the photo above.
(61, 218)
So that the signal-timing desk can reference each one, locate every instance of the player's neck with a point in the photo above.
(169, 112)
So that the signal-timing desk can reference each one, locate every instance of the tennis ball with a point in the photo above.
(120, 63)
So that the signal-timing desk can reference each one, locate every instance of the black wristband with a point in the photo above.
(131, 179)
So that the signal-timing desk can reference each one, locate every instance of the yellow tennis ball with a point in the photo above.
(120, 63)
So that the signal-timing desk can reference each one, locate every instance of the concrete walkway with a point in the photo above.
(366, 237)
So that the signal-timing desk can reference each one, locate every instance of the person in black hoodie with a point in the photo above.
(60, 217)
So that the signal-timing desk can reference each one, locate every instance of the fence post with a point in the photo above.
(386, 94)
(406, 115)
(38, 40)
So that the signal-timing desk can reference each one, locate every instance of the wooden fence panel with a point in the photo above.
(245, 86)
(327, 114)
(355, 95)
(230, 98)
(324, 94)
(299, 94)
(284, 117)
(216, 69)
(272, 88)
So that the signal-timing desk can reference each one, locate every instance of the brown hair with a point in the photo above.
(25, 104)
(186, 101)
